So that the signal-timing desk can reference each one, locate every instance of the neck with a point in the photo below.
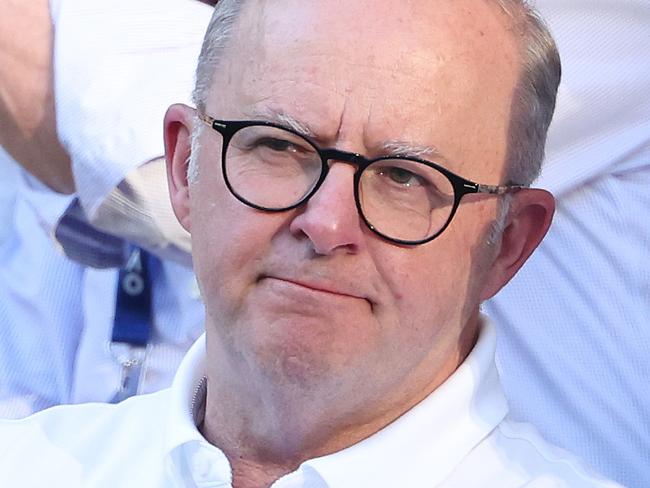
(268, 428)
(267, 438)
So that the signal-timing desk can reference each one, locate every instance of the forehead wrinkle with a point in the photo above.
(390, 147)
(400, 147)
(280, 117)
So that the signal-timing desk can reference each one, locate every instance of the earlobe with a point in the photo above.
(179, 120)
(529, 218)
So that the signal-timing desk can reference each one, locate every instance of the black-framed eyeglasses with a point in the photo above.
(405, 200)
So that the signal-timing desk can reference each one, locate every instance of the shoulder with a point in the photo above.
(63, 444)
(514, 454)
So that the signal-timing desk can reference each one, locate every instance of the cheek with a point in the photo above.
(223, 250)
(429, 286)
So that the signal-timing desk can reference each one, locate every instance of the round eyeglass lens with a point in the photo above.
(271, 167)
(405, 200)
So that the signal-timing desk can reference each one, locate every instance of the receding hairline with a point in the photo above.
(533, 100)
(235, 11)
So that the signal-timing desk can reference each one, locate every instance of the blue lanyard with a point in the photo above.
(132, 323)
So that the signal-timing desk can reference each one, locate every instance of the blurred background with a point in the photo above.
(9, 173)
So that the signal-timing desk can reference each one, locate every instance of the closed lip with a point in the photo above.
(319, 286)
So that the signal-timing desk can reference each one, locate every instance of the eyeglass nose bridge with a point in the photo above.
(331, 154)
(345, 157)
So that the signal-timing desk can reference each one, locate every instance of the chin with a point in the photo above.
(297, 355)
(299, 352)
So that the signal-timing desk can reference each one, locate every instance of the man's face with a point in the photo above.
(310, 300)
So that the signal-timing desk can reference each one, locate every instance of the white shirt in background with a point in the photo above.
(40, 306)
(118, 66)
(574, 336)
(112, 90)
(9, 171)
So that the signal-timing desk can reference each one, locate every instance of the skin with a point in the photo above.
(27, 115)
(320, 333)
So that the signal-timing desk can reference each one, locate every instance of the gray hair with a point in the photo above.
(217, 36)
(534, 97)
(533, 103)
(535, 93)
(192, 160)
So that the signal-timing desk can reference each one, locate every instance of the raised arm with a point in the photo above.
(27, 116)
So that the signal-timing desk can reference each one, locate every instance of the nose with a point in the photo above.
(330, 219)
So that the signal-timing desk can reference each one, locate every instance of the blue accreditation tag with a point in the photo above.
(132, 323)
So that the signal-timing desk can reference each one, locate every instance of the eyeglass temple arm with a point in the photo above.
(208, 120)
(493, 189)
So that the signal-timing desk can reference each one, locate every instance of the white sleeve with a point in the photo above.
(602, 121)
(139, 210)
(118, 66)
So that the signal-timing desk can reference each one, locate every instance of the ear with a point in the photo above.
(529, 218)
(179, 121)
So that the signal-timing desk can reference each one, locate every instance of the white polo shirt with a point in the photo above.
(457, 437)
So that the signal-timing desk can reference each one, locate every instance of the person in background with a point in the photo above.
(83, 118)
(573, 336)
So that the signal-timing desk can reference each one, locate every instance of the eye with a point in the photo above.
(401, 176)
(280, 145)
(274, 144)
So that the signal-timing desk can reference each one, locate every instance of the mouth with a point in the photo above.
(315, 286)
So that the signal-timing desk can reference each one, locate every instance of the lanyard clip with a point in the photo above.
(131, 359)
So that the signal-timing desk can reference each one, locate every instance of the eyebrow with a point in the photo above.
(282, 118)
(391, 147)
(395, 147)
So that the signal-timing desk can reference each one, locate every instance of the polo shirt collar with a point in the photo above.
(187, 391)
(191, 457)
(423, 446)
